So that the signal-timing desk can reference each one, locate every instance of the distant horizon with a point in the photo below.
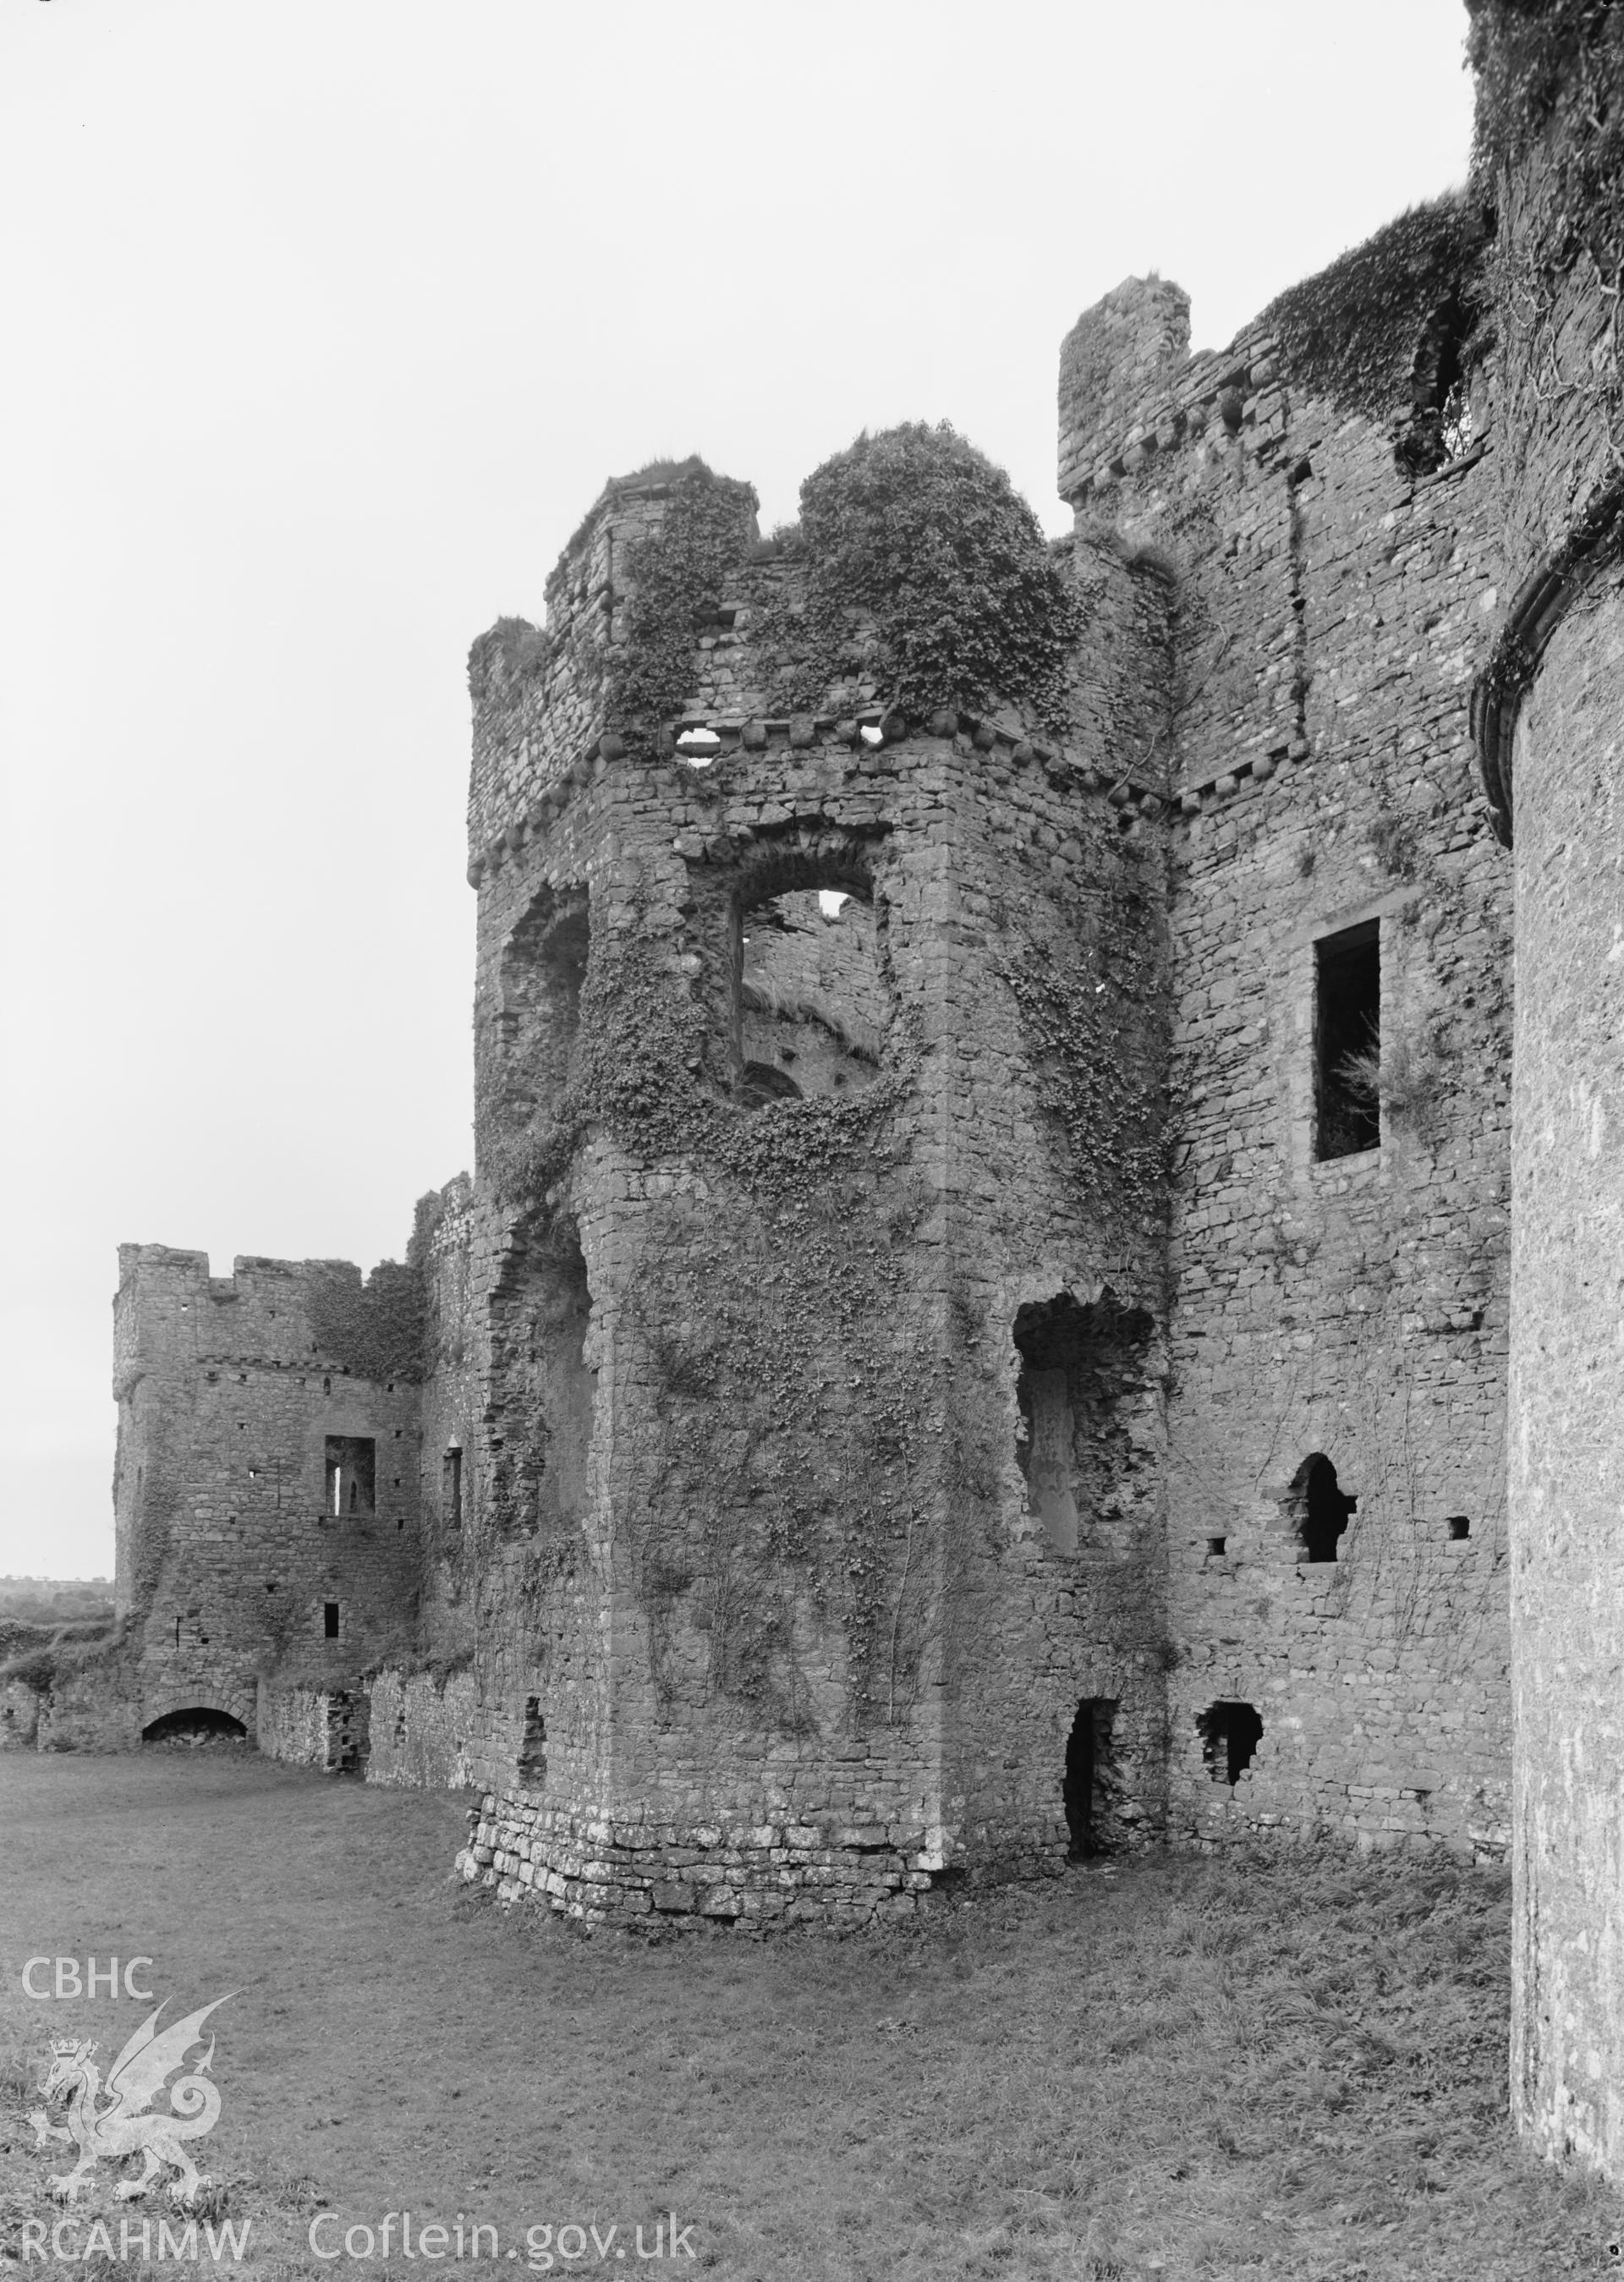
(55, 1580)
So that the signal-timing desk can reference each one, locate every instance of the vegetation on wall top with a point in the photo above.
(520, 649)
(916, 532)
(1352, 332)
(1550, 95)
(676, 576)
(1523, 56)
(373, 1330)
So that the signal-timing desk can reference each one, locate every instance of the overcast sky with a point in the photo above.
(324, 321)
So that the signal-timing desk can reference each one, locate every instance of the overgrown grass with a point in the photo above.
(1262, 2068)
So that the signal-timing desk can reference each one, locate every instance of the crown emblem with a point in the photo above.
(69, 2048)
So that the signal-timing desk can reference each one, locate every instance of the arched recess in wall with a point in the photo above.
(1444, 385)
(543, 1388)
(542, 968)
(812, 1000)
(1081, 1369)
(196, 1723)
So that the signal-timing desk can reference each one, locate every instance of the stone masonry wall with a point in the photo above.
(423, 1726)
(1331, 611)
(1567, 1391)
(785, 1637)
(1546, 713)
(229, 1551)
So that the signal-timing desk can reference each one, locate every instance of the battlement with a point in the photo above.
(541, 695)
(735, 646)
(170, 1313)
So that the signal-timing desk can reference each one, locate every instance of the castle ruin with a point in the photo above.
(1011, 1197)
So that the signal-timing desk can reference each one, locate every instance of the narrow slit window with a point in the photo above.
(1347, 1042)
(532, 1747)
(451, 1487)
(330, 1620)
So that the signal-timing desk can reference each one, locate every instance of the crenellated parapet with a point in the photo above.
(542, 695)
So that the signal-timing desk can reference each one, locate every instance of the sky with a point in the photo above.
(324, 321)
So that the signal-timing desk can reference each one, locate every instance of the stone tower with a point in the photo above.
(819, 1043)
(1549, 719)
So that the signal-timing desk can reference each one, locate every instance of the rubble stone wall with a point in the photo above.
(783, 1627)
(1330, 612)
(1567, 1387)
(230, 1554)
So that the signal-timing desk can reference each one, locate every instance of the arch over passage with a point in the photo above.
(196, 1723)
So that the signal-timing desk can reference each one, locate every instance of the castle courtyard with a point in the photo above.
(1224, 2067)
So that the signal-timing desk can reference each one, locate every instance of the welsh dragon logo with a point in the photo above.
(114, 2119)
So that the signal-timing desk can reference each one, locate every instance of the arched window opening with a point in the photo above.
(1081, 1368)
(812, 1002)
(1088, 1775)
(1231, 1732)
(1320, 1507)
(543, 968)
(1442, 424)
(535, 1477)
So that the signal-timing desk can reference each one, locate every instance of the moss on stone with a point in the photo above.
(1352, 332)
(915, 533)
(372, 1330)
(676, 576)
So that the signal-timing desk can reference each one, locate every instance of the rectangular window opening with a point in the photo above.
(1347, 1042)
(330, 1620)
(532, 1747)
(451, 1487)
(352, 1474)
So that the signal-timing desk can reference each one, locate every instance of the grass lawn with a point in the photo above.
(1269, 2069)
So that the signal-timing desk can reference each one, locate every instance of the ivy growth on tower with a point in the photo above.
(917, 534)
(915, 566)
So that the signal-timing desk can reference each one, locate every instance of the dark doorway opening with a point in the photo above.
(1088, 1760)
(1231, 1732)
